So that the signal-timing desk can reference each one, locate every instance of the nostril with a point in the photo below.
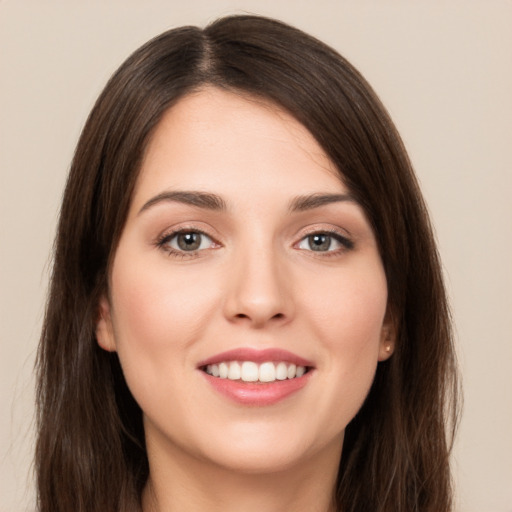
(259, 319)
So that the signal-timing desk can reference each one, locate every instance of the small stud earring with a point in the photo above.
(388, 348)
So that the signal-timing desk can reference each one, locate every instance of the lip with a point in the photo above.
(257, 394)
(258, 356)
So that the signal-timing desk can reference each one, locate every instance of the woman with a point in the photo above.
(246, 309)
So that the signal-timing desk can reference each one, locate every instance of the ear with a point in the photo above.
(387, 337)
(104, 329)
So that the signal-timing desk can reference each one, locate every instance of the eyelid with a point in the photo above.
(163, 239)
(337, 233)
(173, 238)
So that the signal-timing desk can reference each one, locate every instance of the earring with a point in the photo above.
(388, 349)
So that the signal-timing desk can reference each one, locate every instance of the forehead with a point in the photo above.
(215, 139)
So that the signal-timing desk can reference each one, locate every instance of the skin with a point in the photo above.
(255, 282)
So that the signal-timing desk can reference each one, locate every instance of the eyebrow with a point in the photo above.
(205, 200)
(214, 202)
(309, 202)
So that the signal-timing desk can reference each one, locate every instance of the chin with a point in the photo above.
(254, 461)
(265, 449)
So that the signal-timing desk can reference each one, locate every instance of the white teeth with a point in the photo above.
(234, 371)
(267, 372)
(223, 370)
(281, 371)
(249, 371)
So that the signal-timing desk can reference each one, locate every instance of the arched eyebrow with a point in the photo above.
(205, 200)
(309, 202)
(210, 201)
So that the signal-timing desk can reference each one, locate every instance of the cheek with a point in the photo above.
(157, 316)
(348, 309)
(155, 305)
(347, 319)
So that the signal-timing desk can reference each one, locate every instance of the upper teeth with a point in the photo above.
(249, 371)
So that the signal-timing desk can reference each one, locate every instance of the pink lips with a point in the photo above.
(257, 394)
(258, 356)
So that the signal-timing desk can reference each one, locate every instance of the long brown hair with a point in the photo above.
(90, 453)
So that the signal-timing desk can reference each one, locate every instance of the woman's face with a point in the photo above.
(244, 255)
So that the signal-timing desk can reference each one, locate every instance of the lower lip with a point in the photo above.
(258, 394)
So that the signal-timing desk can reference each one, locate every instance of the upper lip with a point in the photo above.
(256, 355)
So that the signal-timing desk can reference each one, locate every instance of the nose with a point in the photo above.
(258, 292)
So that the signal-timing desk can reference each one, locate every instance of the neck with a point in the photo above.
(178, 482)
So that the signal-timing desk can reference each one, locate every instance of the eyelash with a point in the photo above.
(346, 243)
(163, 241)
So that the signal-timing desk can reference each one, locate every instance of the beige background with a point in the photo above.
(444, 70)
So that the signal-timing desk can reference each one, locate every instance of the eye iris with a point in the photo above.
(189, 241)
(319, 242)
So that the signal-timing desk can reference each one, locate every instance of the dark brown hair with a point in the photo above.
(90, 450)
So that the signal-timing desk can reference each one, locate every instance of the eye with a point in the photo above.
(325, 242)
(186, 241)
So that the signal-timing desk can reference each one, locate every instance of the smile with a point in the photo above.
(258, 378)
(250, 371)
